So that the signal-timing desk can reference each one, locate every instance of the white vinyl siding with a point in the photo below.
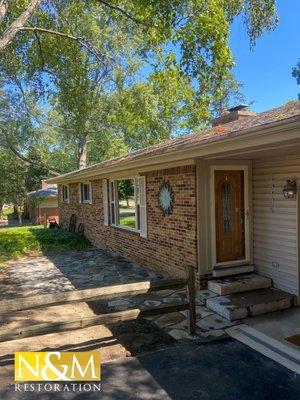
(275, 221)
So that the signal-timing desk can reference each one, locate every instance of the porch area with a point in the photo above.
(248, 229)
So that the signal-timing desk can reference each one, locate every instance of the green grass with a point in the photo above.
(128, 221)
(20, 241)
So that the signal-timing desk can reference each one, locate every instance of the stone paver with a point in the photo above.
(98, 267)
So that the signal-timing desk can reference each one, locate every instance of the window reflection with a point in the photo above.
(126, 203)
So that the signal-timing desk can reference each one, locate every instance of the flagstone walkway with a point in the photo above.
(97, 267)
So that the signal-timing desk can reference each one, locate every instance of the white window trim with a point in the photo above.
(116, 203)
(67, 200)
(90, 201)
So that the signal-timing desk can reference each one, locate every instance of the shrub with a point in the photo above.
(20, 241)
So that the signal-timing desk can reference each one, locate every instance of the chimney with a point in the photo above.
(44, 185)
(233, 114)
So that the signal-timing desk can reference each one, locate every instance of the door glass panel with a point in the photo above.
(226, 207)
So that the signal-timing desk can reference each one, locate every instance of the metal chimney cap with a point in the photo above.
(239, 107)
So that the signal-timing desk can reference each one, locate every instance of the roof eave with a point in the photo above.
(206, 148)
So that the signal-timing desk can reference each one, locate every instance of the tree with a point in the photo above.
(296, 74)
(125, 190)
(79, 57)
(12, 182)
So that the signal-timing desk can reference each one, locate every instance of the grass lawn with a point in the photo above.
(128, 221)
(19, 241)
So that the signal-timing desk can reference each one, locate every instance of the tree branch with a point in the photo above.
(40, 50)
(80, 40)
(3, 9)
(27, 160)
(121, 10)
(15, 27)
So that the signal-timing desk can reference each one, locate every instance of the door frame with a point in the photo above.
(231, 167)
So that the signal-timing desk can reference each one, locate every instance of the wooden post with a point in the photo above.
(191, 298)
(45, 220)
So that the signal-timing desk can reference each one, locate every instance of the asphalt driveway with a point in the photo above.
(219, 370)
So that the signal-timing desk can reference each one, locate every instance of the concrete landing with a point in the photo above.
(238, 284)
(242, 305)
(229, 271)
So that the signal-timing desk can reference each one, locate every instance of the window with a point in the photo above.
(85, 193)
(126, 215)
(65, 193)
(112, 203)
(124, 203)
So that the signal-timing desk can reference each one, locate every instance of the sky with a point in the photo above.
(266, 71)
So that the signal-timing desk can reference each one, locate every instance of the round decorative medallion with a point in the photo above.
(166, 198)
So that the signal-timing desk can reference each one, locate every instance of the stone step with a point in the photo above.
(243, 305)
(238, 284)
(229, 271)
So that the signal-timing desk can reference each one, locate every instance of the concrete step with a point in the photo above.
(238, 284)
(243, 305)
(229, 271)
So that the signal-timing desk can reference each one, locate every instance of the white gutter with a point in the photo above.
(268, 134)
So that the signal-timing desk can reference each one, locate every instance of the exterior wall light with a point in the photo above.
(290, 189)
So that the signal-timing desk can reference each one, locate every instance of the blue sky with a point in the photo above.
(266, 70)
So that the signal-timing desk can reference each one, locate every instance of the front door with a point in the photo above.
(229, 212)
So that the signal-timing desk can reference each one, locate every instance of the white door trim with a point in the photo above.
(230, 167)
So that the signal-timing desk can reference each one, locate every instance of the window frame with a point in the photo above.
(63, 199)
(81, 193)
(113, 188)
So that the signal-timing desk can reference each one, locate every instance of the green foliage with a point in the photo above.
(17, 179)
(128, 221)
(296, 74)
(17, 242)
(150, 70)
(125, 189)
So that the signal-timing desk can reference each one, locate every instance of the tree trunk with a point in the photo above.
(17, 24)
(82, 152)
(1, 210)
(20, 216)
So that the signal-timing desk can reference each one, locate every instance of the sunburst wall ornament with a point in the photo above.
(166, 198)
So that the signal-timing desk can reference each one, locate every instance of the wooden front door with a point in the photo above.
(229, 209)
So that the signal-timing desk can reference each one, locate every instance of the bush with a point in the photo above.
(20, 241)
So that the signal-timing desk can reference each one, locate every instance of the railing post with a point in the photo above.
(191, 297)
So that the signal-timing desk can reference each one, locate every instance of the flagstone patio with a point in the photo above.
(97, 267)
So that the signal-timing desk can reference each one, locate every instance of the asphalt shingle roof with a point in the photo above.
(50, 191)
(230, 129)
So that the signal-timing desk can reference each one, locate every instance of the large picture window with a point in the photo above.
(122, 204)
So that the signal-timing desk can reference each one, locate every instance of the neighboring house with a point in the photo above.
(42, 204)
(224, 200)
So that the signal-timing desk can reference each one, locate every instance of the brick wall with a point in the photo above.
(171, 241)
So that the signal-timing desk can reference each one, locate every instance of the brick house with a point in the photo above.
(42, 204)
(224, 200)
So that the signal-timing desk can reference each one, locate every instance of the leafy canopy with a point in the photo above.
(97, 79)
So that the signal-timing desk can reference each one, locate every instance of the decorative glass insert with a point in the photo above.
(226, 207)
